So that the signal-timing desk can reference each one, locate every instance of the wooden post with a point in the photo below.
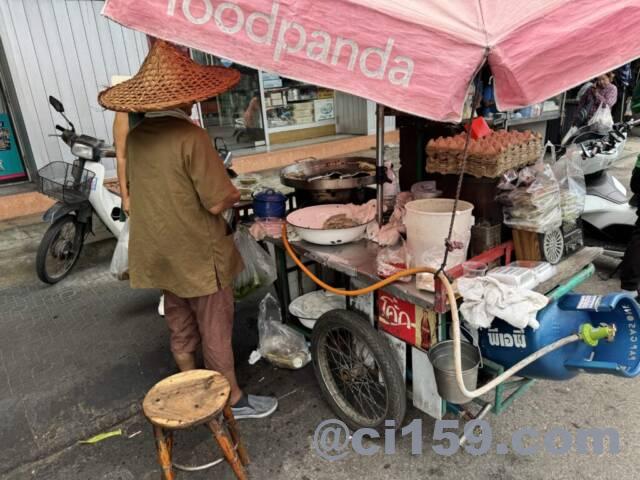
(235, 436)
(227, 449)
(164, 453)
(527, 245)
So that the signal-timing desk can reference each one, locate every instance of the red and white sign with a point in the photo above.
(404, 320)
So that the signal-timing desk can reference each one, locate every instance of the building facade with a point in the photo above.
(67, 49)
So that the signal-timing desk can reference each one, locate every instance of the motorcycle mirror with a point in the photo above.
(56, 104)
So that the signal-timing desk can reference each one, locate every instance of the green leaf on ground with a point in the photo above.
(102, 436)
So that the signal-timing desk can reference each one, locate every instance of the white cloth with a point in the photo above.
(486, 298)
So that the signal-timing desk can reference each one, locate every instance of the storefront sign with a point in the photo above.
(11, 167)
(406, 321)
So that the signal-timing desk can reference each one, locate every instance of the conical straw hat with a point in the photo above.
(168, 79)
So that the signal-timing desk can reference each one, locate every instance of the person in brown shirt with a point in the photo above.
(178, 191)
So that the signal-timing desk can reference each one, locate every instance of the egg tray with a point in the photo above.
(513, 157)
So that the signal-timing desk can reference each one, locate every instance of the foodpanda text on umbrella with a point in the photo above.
(289, 37)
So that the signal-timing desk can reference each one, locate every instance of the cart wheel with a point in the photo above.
(553, 246)
(357, 371)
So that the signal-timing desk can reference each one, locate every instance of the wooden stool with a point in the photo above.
(188, 399)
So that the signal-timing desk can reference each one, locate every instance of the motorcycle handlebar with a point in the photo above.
(108, 152)
(633, 123)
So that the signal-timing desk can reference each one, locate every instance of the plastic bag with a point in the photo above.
(120, 261)
(602, 120)
(431, 257)
(508, 180)
(281, 345)
(391, 260)
(533, 205)
(573, 189)
(259, 266)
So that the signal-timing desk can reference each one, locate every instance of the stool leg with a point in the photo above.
(169, 441)
(227, 449)
(163, 446)
(235, 436)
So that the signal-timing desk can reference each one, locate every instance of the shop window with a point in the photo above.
(296, 110)
(234, 116)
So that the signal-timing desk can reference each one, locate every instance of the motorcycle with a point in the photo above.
(608, 216)
(79, 190)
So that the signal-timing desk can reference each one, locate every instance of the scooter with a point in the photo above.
(80, 192)
(607, 212)
(610, 145)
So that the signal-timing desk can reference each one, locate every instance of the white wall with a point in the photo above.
(357, 116)
(65, 48)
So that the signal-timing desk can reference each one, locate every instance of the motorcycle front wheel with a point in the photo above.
(59, 249)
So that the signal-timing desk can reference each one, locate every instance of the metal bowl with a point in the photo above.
(308, 222)
(309, 307)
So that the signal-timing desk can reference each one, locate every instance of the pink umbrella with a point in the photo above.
(418, 56)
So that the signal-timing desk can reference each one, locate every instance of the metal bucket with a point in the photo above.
(441, 357)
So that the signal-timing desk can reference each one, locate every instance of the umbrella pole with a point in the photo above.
(381, 175)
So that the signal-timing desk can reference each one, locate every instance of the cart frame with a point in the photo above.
(571, 272)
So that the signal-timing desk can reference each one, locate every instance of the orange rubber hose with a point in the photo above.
(361, 291)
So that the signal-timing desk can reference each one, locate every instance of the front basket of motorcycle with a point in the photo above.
(67, 182)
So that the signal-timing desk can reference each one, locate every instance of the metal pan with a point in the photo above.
(330, 174)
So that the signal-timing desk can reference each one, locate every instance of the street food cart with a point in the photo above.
(403, 323)
(366, 355)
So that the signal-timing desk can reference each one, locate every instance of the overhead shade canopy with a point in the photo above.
(418, 56)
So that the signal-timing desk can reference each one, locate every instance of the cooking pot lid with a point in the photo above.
(270, 195)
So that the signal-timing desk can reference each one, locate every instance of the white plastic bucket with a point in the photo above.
(427, 223)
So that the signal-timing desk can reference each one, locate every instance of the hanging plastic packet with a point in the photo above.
(259, 266)
(533, 205)
(120, 261)
(573, 189)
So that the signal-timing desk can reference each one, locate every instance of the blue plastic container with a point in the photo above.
(507, 345)
(269, 203)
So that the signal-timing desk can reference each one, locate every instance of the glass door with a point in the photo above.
(12, 167)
